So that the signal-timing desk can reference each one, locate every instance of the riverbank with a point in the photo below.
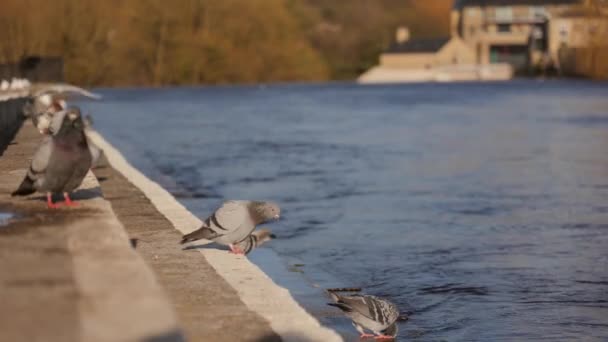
(234, 292)
(70, 274)
(79, 265)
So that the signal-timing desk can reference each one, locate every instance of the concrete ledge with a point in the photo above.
(259, 293)
(71, 274)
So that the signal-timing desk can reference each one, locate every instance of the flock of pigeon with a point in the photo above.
(65, 155)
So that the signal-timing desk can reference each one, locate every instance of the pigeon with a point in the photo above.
(369, 312)
(233, 222)
(41, 110)
(47, 100)
(62, 160)
(254, 240)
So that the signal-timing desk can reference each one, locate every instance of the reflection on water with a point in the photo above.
(481, 208)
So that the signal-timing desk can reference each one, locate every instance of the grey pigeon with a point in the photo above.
(62, 160)
(233, 222)
(41, 110)
(369, 312)
(255, 240)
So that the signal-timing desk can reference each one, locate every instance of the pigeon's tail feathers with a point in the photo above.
(341, 306)
(202, 233)
(26, 187)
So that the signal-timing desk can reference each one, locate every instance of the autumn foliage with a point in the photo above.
(158, 42)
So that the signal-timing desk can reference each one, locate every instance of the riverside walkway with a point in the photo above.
(112, 269)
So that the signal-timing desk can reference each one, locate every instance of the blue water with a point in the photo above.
(482, 209)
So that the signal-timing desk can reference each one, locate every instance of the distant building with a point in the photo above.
(509, 31)
(580, 42)
(489, 37)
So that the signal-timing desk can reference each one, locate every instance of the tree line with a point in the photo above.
(158, 42)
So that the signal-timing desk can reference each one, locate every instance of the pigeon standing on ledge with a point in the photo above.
(233, 222)
(369, 312)
(62, 160)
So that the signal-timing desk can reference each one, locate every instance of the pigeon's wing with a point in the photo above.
(37, 168)
(229, 217)
(63, 88)
(358, 304)
(95, 152)
(371, 307)
(42, 157)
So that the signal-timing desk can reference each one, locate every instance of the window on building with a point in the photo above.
(503, 28)
(504, 13)
(537, 12)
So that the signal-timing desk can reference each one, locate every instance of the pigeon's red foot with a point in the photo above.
(49, 202)
(384, 337)
(366, 335)
(236, 250)
(68, 201)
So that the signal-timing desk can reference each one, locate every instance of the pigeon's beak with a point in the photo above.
(277, 216)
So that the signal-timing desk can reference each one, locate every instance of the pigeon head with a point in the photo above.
(392, 330)
(265, 211)
(66, 121)
(57, 106)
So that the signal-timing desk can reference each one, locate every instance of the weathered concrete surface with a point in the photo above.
(70, 274)
(233, 276)
(207, 307)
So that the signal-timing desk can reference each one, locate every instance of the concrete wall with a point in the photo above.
(455, 52)
(11, 118)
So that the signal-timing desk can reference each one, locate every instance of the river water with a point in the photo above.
(482, 209)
